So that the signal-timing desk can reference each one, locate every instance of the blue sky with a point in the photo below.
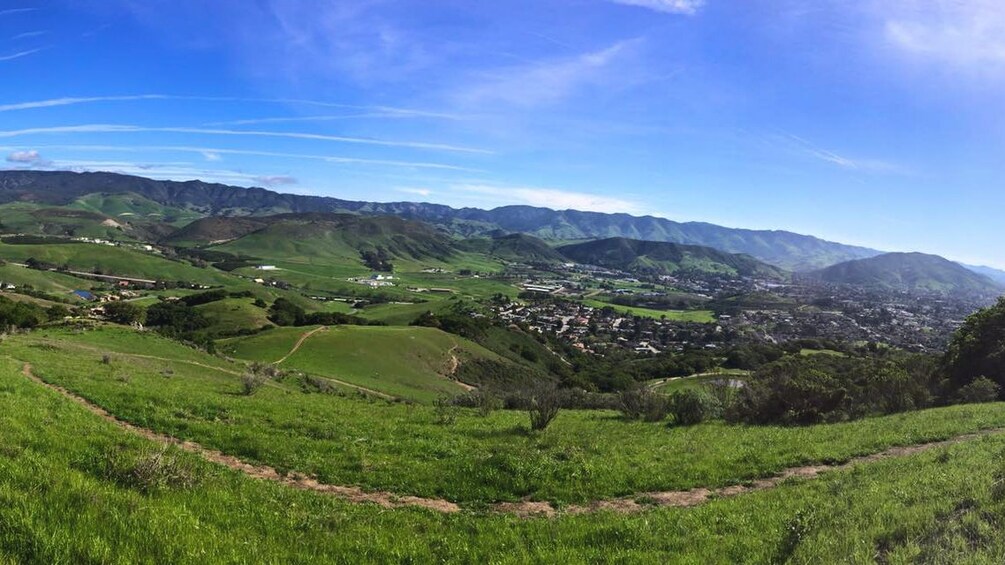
(874, 122)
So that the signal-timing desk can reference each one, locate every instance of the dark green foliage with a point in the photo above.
(174, 318)
(978, 348)
(21, 314)
(204, 297)
(124, 313)
(689, 407)
(284, 312)
(982, 389)
(753, 356)
(377, 259)
(643, 403)
(826, 388)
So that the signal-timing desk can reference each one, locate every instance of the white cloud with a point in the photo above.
(687, 7)
(849, 163)
(550, 198)
(548, 81)
(969, 33)
(27, 157)
(211, 155)
(275, 180)
(29, 34)
(204, 151)
(20, 54)
(16, 11)
(418, 191)
(114, 128)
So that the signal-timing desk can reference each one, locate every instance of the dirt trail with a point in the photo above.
(299, 343)
(455, 364)
(351, 494)
(633, 504)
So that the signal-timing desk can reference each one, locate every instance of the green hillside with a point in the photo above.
(909, 271)
(517, 247)
(664, 258)
(406, 362)
(121, 261)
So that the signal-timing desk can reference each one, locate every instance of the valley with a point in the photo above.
(375, 374)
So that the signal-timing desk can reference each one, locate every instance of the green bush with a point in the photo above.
(643, 403)
(692, 406)
(982, 389)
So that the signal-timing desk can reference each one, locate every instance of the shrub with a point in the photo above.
(692, 406)
(643, 403)
(251, 382)
(982, 389)
(445, 410)
(150, 470)
(543, 406)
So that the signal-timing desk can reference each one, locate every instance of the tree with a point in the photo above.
(125, 313)
(978, 348)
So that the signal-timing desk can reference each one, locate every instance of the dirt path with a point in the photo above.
(455, 364)
(300, 342)
(351, 494)
(628, 505)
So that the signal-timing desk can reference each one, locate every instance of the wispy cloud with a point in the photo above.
(549, 198)
(389, 114)
(20, 54)
(12, 11)
(849, 163)
(384, 111)
(114, 128)
(69, 101)
(970, 33)
(216, 153)
(686, 7)
(546, 81)
(275, 180)
(29, 35)
(418, 191)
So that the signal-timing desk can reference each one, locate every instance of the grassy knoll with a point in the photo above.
(698, 316)
(46, 281)
(402, 448)
(113, 260)
(407, 362)
(61, 501)
(234, 314)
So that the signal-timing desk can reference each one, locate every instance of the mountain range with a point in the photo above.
(98, 204)
(781, 248)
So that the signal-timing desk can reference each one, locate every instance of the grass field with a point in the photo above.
(583, 456)
(113, 260)
(697, 316)
(71, 490)
(62, 502)
(233, 314)
(407, 362)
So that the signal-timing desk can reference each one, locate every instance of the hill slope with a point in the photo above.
(784, 249)
(312, 236)
(516, 247)
(909, 271)
(664, 258)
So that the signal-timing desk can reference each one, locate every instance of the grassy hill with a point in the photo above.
(665, 258)
(784, 249)
(909, 271)
(406, 362)
(517, 247)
